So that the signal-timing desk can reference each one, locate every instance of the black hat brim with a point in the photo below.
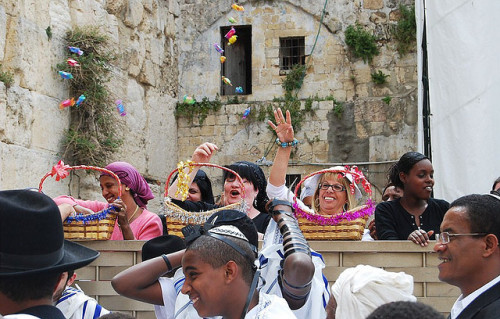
(75, 256)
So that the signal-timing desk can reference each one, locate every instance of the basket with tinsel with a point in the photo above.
(95, 226)
(176, 216)
(347, 225)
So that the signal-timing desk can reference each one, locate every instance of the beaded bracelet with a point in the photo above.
(287, 144)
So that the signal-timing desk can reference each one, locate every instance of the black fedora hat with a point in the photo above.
(32, 239)
(165, 244)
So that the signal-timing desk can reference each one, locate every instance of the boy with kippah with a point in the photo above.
(144, 281)
(221, 277)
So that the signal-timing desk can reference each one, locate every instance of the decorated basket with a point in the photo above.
(348, 225)
(96, 226)
(177, 217)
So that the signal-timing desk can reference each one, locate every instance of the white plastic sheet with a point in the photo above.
(463, 47)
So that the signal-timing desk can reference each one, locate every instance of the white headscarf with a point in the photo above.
(311, 184)
(360, 290)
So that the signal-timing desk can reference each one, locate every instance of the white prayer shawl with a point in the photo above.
(269, 261)
(270, 307)
(360, 290)
(168, 294)
(176, 305)
(75, 304)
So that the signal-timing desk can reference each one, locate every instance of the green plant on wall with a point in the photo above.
(387, 100)
(338, 109)
(197, 109)
(291, 83)
(294, 79)
(92, 137)
(362, 43)
(6, 77)
(405, 32)
(379, 77)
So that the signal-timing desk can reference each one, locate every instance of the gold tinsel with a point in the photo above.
(183, 179)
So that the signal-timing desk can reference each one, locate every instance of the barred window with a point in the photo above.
(292, 51)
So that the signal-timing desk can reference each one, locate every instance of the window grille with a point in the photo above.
(292, 51)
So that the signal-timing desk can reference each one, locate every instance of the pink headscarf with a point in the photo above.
(130, 177)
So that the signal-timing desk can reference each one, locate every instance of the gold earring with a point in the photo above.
(127, 188)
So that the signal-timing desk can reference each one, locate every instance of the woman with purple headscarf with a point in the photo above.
(134, 220)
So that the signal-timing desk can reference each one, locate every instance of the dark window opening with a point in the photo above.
(238, 65)
(292, 51)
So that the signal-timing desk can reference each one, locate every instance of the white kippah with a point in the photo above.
(228, 230)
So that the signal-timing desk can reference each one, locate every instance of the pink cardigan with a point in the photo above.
(147, 226)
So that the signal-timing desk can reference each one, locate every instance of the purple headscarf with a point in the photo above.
(130, 177)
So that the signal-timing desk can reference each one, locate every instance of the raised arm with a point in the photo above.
(202, 154)
(140, 282)
(284, 131)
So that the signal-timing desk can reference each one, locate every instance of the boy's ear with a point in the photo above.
(231, 271)
(71, 279)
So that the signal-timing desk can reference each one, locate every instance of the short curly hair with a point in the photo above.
(405, 309)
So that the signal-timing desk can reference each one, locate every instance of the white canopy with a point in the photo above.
(463, 47)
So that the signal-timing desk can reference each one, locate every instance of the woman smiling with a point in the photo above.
(134, 220)
(332, 195)
(415, 216)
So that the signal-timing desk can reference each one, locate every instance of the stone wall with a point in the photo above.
(165, 51)
(142, 33)
(369, 132)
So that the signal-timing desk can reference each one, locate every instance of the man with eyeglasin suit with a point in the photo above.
(467, 247)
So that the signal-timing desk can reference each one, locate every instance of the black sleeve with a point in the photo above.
(194, 206)
(443, 206)
(385, 222)
(261, 221)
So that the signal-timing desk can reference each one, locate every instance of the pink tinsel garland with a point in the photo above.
(336, 219)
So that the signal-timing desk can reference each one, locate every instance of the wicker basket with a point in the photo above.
(177, 218)
(349, 225)
(96, 226)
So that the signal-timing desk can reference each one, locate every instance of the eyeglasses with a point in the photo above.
(444, 237)
(335, 187)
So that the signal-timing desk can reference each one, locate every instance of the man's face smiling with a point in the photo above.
(203, 285)
(460, 257)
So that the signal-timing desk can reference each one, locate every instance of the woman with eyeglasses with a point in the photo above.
(330, 196)
(415, 216)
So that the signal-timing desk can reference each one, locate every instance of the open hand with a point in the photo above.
(283, 127)
(204, 152)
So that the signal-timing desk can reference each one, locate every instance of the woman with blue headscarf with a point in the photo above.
(134, 220)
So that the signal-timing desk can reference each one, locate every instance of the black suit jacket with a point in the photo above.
(44, 312)
(485, 306)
